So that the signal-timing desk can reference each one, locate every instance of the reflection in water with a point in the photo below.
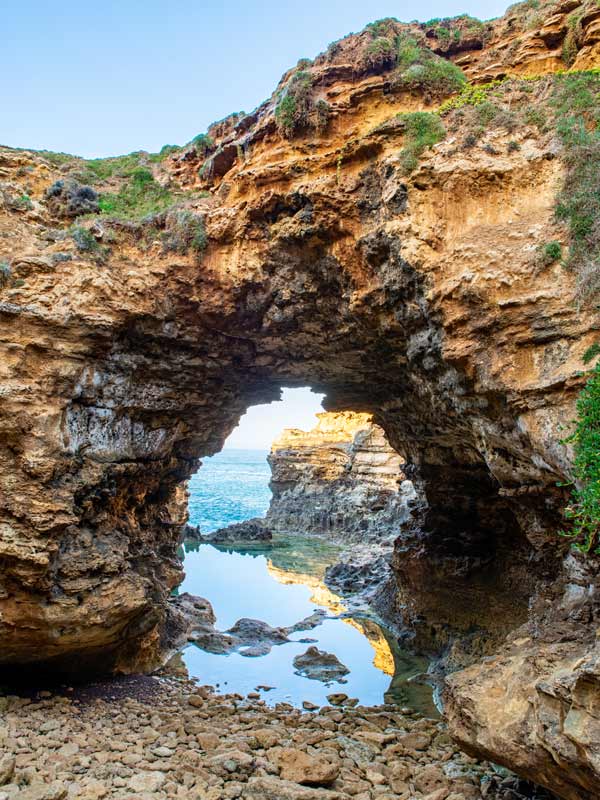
(281, 583)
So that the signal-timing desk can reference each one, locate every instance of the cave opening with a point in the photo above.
(289, 542)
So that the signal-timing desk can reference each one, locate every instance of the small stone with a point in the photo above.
(337, 698)
(7, 769)
(300, 767)
(163, 752)
(308, 706)
(147, 781)
(45, 791)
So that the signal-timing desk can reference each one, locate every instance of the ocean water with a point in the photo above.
(281, 583)
(229, 487)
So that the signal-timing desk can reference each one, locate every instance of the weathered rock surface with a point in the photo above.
(341, 478)
(251, 530)
(412, 298)
(320, 666)
(536, 703)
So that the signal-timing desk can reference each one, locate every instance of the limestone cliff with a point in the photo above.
(341, 478)
(346, 237)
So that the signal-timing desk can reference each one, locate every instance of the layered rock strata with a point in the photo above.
(341, 478)
(415, 295)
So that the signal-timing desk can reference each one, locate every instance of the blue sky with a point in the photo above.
(99, 79)
(261, 424)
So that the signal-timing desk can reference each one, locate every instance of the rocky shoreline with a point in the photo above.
(164, 737)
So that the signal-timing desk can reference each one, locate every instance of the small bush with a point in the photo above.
(584, 510)
(513, 146)
(84, 240)
(382, 27)
(422, 130)
(292, 112)
(550, 253)
(203, 143)
(5, 273)
(69, 198)
(184, 231)
(381, 53)
(419, 69)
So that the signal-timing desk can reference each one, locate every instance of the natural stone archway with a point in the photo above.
(412, 294)
(114, 401)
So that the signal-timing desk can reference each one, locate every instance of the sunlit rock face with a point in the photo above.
(341, 478)
(410, 298)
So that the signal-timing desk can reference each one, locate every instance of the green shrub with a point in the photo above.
(140, 196)
(422, 130)
(513, 146)
(576, 99)
(5, 273)
(381, 53)
(382, 27)
(550, 253)
(292, 112)
(583, 512)
(84, 240)
(202, 143)
(184, 231)
(419, 69)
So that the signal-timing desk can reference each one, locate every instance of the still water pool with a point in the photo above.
(281, 583)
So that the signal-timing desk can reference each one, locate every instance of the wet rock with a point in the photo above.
(320, 666)
(251, 530)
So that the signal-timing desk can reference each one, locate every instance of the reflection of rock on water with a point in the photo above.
(321, 595)
(383, 659)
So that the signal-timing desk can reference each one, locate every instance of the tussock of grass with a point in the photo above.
(140, 196)
(422, 130)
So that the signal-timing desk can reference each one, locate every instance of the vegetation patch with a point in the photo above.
(420, 69)
(583, 512)
(5, 273)
(184, 231)
(140, 196)
(422, 130)
(576, 99)
(297, 109)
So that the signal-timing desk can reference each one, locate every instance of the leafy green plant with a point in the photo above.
(551, 252)
(5, 273)
(422, 130)
(421, 69)
(381, 53)
(139, 196)
(84, 239)
(202, 143)
(583, 512)
(292, 112)
(576, 99)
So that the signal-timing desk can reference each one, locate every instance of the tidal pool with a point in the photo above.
(282, 583)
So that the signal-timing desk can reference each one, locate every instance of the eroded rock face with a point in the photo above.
(413, 299)
(340, 478)
(536, 703)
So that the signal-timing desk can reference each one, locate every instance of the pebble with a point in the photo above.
(188, 743)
